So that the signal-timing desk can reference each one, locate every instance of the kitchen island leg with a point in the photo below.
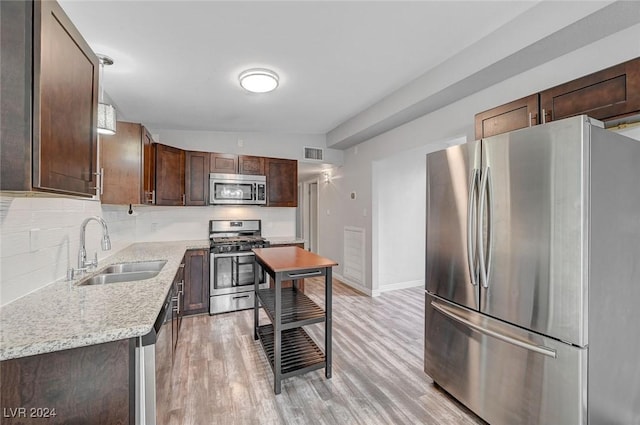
(327, 330)
(277, 336)
(256, 310)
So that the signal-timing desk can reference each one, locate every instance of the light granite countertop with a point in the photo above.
(284, 240)
(63, 315)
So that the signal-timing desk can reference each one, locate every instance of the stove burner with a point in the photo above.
(224, 236)
(231, 240)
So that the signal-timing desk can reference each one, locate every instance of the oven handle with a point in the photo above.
(232, 254)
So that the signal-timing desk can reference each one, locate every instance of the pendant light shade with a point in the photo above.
(106, 119)
(106, 112)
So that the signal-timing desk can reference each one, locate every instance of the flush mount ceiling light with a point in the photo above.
(106, 112)
(258, 80)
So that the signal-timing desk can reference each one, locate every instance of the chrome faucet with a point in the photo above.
(83, 264)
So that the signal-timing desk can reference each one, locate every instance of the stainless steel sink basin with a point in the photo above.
(126, 272)
(101, 279)
(140, 266)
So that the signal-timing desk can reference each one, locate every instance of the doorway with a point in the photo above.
(312, 216)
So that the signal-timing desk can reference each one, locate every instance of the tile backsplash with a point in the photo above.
(39, 236)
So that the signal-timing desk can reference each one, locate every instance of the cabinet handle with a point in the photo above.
(99, 187)
(544, 117)
(181, 287)
(530, 116)
(240, 296)
(184, 201)
(152, 197)
(306, 274)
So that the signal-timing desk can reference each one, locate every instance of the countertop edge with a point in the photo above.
(20, 335)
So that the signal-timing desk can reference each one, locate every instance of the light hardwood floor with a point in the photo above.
(221, 375)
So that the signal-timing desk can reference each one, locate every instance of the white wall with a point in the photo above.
(447, 123)
(398, 218)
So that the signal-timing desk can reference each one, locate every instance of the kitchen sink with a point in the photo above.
(126, 272)
(141, 266)
(101, 279)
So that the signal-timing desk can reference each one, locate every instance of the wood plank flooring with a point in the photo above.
(221, 375)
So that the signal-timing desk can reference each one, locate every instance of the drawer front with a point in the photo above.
(293, 275)
(232, 302)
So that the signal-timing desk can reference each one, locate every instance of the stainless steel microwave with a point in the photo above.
(237, 189)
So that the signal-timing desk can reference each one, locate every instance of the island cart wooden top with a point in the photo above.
(290, 258)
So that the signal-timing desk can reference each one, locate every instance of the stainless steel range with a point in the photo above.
(231, 265)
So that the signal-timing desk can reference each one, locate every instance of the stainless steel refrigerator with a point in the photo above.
(532, 275)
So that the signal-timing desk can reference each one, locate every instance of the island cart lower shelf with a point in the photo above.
(289, 349)
(300, 354)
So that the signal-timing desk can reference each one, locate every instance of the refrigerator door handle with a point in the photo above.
(471, 222)
(450, 312)
(484, 262)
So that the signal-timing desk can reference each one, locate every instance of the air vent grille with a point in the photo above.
(313, 153)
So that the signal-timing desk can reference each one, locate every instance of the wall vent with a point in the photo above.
(353, 260)
(313, 153)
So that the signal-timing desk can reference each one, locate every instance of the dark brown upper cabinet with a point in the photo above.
(196, 178)
(282, 182)
(148, 168)
(514, 115)
(611, 95)
(604, 95)
(223, 163)
(127, 165)
(251, 165)
(49, 101)
(121, 165)
(169, 175)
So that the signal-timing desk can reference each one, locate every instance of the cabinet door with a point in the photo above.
(148, 168)
(196, 281)
(282, 182)
(15, 95)
(121, 165)
(169, 175)
(604, 95)
(196, 178)
(223, 163)
(251, 165)
(65, 104)
(514, 115)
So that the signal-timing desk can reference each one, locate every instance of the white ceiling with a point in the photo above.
(177, 62)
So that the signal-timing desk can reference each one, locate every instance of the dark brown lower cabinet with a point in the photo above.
(196, 281)
(93, 385)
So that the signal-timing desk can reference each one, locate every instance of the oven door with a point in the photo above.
(233, 272)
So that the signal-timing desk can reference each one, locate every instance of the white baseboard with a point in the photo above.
(399, 285)
(362, 289)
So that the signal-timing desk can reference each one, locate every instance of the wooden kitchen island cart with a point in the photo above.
(289, 349)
